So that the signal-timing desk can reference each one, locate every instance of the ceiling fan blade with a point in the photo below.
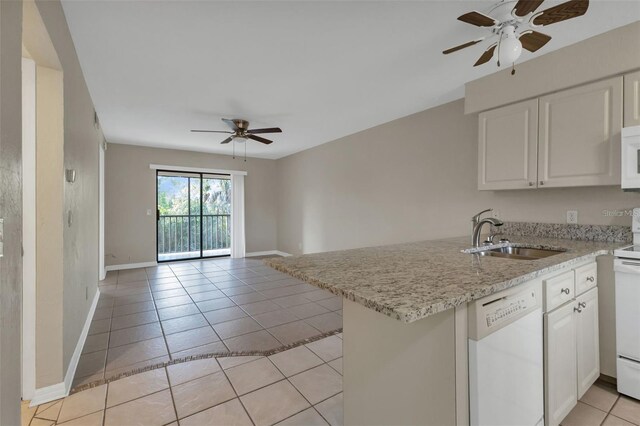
(231, 124)
(266, 130)
(533, 40)
(227, 140)
(211, 131)
(524, 7)
(561, 12)
(486, 56)
(259, 139)
(478, 19)
(462, 46)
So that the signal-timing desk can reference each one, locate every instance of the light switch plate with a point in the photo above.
(572, 216)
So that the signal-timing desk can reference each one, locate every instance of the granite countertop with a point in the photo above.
(414, 280)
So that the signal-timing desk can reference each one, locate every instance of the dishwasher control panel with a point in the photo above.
(507, 308)
(494, 312)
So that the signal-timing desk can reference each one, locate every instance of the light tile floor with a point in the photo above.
(299, 386)
(150, 316)
(603, 405)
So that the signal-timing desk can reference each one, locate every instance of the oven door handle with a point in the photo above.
(627, 266)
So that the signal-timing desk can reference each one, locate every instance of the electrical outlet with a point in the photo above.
(572, 216)
(149, 212)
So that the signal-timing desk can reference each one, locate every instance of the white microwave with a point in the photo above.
(631, 158)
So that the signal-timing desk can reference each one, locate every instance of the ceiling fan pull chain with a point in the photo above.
(513, 68)
(245, 151)
(234, 149)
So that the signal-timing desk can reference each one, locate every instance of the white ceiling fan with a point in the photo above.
(513, 22)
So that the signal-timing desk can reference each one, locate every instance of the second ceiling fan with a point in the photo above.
(240, 131)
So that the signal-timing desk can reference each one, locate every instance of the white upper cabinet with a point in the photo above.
(568, 138)
(632, 99)
(579, 136)
(508, 147)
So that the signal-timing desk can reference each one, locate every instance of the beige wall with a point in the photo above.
(414, 178)
(10, 209)
(130, 190)
(81, 144)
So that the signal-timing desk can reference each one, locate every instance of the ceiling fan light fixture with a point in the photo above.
(510, 48)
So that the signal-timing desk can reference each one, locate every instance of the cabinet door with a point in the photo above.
(632, 99)
(560, 364)
(587, 341)
(579, 136)
(507, 147)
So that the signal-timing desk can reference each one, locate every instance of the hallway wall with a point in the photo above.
(80, 199)
(130, 190)
(10, 209)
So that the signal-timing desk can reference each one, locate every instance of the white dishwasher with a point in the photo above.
(506, 358)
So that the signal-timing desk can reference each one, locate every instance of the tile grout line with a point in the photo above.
(173, 400)
(164, 337)
(236, 393)
(202, 313)
(298, 390)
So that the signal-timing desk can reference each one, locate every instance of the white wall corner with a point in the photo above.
(61, 390)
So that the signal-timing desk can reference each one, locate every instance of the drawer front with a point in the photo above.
(558, 290)
(586, 278)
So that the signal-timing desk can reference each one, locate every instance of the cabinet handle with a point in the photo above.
(582, 304)
(531, 183)
(592, 279)
(565, 290)
(541, 183)
(578, 310)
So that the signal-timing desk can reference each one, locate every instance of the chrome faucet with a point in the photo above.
(479, 223)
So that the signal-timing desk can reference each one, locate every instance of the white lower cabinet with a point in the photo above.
(560, 364)
(571, 353)
(587, 340)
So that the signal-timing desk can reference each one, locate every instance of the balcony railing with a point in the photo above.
(181, 233)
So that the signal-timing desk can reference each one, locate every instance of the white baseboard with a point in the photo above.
(60, 390)
(130, 266)
(267, 253)
(48, 394)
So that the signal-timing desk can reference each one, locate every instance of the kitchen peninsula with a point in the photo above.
(406, 305)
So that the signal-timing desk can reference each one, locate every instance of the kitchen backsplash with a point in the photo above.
(605, 233)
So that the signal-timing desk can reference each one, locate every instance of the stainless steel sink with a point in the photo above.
(520, 253)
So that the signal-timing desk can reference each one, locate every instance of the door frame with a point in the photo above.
(197, 172)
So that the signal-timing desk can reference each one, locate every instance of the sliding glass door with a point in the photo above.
(193, 215)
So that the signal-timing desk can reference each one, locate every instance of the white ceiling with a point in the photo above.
(318, 69)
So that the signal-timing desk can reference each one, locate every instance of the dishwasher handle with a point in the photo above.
(627, 266)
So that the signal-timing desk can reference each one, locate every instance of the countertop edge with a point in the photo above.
(435, 308)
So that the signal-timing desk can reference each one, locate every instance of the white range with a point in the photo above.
(627, 270)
